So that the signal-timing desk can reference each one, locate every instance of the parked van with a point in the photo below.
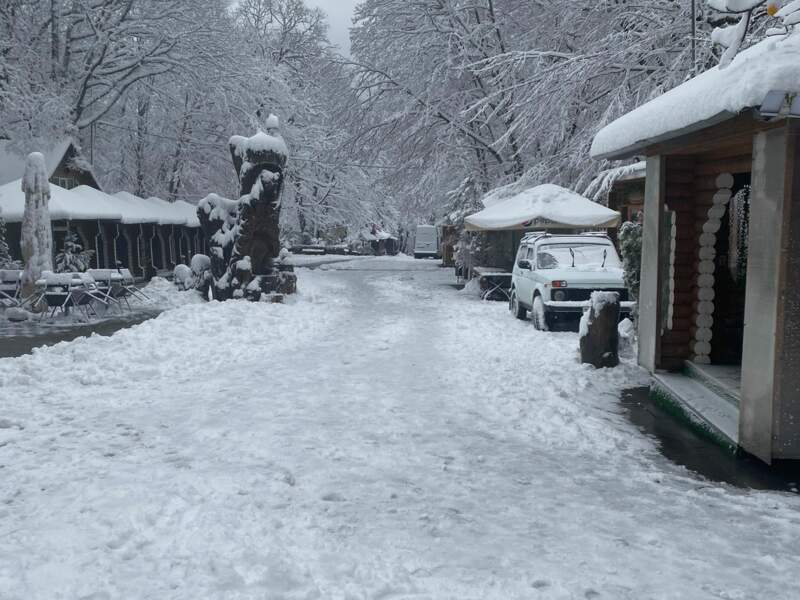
(426, 244)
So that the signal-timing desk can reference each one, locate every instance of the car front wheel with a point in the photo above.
(538, 314)
(516, 308)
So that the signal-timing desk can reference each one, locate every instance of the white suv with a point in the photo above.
(554, 276)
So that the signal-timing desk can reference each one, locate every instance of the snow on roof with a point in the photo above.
(85, 203)
(601, 185)
(541, 206)
(12, 161)
(64, 204)
(189, 211)
(156, 210)
(711, 97)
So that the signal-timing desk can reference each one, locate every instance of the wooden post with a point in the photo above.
(649, 290)
(770, 417)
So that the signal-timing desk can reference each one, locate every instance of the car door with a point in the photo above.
(518, 278)
(524, 280)
(530, 276)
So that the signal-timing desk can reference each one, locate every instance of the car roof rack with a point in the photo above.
(595, 233)
(533, 235)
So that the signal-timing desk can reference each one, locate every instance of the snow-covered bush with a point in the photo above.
(73, 258)
(182, 277)
(630, 246)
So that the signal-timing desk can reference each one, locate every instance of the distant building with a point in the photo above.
(145, 235)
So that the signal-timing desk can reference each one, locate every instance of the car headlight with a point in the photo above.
(559, 295)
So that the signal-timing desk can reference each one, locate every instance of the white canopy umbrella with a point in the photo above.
(542, 207)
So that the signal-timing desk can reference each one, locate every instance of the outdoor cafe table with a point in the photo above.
(495, 281)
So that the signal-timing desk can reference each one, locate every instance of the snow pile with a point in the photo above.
(627, 338)
(182, 277)
(162, 294)
(16, 315)
(543, 205)
(472, 288)
(710, 97)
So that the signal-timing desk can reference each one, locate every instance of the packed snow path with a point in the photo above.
(382, 436)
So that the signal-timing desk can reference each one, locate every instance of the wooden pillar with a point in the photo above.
(649, 288)
(770, 375)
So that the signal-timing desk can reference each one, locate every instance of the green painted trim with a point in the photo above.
(675, 408)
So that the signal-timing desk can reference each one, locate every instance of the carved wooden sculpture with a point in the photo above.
(244, 237)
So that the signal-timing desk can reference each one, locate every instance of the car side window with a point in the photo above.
(546, 260)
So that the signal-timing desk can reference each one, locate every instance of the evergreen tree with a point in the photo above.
(73, 258)
(630, 245)
(6, 262)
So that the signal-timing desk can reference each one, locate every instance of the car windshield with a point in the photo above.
(558, 256)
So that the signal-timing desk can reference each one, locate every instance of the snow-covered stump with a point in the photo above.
(599, 336)
(37, 235)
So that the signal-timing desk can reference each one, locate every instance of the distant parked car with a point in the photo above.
(426, 244)
(554, 276)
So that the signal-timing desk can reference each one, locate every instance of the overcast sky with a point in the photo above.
(340, 13)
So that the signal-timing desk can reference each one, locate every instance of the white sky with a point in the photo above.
(340, 14)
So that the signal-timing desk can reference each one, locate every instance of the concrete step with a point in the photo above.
(701, 403)
(721, 382)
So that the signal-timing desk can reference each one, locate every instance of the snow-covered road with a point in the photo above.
(381, 436)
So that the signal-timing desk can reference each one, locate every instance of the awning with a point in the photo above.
(541, 207)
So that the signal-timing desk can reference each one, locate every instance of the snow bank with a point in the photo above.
(543, 205)
(162, 294)
(472, 288)
(712, 96)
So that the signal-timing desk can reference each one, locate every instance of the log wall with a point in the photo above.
(689, 191)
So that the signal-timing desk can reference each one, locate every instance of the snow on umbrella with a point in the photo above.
(545, 205)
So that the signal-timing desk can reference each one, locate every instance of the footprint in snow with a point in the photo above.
(333, 497)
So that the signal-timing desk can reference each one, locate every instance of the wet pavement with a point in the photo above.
(17, 339)
(689, 448)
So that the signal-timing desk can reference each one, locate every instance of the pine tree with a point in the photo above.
(630, 245)
(6, 262)
(73, 258)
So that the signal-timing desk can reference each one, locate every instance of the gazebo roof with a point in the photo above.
(549, 206)
(708, 99)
